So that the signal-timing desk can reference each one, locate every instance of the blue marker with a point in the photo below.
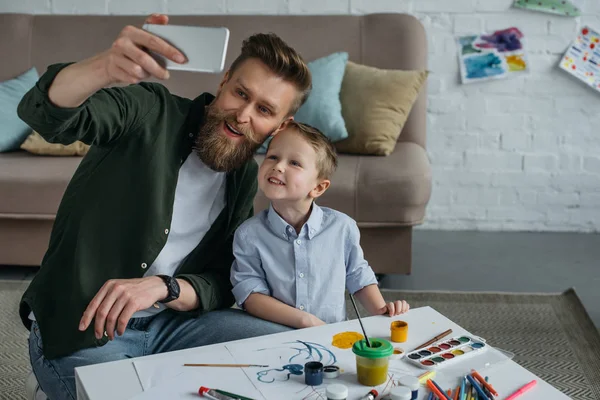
(441, 390)
(478, 389)
(463, 393)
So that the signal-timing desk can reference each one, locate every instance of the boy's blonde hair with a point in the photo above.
(327, 159)
(282, 59)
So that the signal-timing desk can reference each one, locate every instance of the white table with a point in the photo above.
(118, 380)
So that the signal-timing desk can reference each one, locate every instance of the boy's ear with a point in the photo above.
(320, 188)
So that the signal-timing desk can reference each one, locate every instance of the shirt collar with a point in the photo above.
(312, 226)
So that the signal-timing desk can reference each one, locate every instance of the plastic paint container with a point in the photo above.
(412, 383)
(313, 373)
(400, 393)
(372, 362)
(336, 392)
(399, 331)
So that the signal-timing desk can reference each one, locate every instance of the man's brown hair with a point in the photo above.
(327, 159)
(283, 60)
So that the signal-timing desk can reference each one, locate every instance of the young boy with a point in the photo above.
(295, 260)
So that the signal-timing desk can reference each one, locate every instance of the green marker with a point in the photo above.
(232, 395)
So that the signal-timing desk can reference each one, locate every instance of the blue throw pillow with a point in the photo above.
(13, 131)
(323, 108)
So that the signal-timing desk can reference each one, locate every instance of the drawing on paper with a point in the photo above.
(495, 55)
(304, 352)
(582, 59)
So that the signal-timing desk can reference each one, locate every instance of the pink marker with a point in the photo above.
(522, 390)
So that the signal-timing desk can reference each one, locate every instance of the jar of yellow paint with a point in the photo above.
(399, 331)
(372, 362)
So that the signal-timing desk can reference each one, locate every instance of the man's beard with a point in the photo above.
(217, 150)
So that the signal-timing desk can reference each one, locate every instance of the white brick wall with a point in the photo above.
(519, 154)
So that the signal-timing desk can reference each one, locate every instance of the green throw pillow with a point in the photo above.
(323, 108)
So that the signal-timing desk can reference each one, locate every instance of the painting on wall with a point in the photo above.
(497, 55)
(582, 59)
(570, 8)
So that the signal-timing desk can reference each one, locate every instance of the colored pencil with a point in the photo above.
(226, 365)
(456, 393)
(444, 395)
(522, 390)
(483, 382)
(430, 397)
(438, 337)
(436, 390)
(478, 389)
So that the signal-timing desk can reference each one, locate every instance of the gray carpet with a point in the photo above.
(14, 354)
(525, 324)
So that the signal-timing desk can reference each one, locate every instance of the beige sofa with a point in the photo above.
(385, 195)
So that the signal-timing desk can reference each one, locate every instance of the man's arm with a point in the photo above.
(125, 62)
(56, 106)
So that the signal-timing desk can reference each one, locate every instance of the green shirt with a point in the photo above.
(112, 219)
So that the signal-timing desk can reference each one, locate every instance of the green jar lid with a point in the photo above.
(380, 348)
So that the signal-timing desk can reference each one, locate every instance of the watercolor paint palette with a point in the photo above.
(446, 352)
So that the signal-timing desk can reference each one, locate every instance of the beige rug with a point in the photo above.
(524, 324)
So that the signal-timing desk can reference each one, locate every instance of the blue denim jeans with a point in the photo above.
(166, 331)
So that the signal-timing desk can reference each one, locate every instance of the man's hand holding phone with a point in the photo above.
(127, 61)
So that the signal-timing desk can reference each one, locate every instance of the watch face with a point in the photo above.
(172, 288)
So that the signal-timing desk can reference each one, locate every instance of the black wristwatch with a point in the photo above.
(172, 287)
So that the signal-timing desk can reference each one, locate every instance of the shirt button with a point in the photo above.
(301, 307)
(144, 265)
(301, 275)
(191, 134)
(166, 231)
(312, 231)
(298, 241)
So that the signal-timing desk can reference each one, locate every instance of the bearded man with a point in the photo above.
(139, 256)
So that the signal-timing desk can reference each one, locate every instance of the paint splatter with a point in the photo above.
(503, 40)
(293, 369)
(346, 340)
(310, 351)
(516, 62)
(482, 66)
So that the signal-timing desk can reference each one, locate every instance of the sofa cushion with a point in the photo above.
(32, 184)
(375, 105)
(36, 144)
(378, 191)
(12, 129)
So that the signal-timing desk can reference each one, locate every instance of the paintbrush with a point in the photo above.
(360, 321)
(226, 365)
(438, 337)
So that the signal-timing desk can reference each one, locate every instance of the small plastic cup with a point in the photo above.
(372, 362)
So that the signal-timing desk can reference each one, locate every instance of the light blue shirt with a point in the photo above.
(309, 271)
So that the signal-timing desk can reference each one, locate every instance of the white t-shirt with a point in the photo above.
(199, 199)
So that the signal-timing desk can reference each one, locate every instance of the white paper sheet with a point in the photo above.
(186, 385)
(163, 378)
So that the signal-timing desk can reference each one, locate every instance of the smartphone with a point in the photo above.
(204, 47)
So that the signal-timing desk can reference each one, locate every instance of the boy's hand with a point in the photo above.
(395, 308)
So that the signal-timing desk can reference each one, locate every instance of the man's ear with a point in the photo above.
(224, 80)
(320, 188)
